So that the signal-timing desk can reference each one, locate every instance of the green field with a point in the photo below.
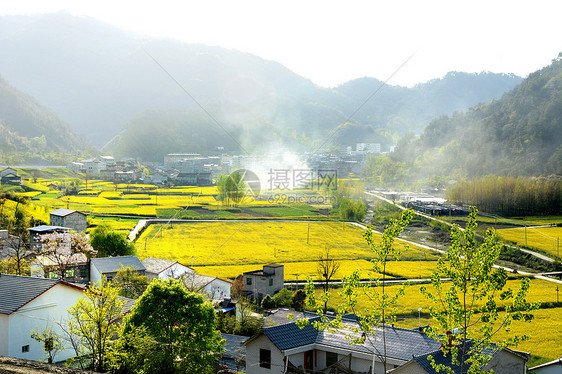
(229, 248)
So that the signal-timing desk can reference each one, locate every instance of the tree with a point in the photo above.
(170, 330)
(283, 298)
(15, 250)
(299, 298)
(267, 302)
(130, 283)
(468, 303)
(109, 243)
(93, 319)
(237, 286)
(65, 250)
(231, 187)
(326, 267)
(52, 342)
(380, 309)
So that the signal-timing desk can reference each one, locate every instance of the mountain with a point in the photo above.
(29, 131)
(519, 134)
(101, 79)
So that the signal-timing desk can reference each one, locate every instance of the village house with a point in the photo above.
(72, 219)
(164, 269)
(215, 288)
(194, 179)
(30, 304)
(504, 361)
(109, 266)
(552, 367)
(9, 176)
(286, 348)
(36, 232)
(269, 281)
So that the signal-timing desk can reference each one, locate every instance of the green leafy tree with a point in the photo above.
(109, 243)
(283, 298)
(381, 307)
(267, 302)
(52, 342)
(468, 304)
(170, 330)
(130, 283)
(232, 188)
(299, 299)
(93, 319)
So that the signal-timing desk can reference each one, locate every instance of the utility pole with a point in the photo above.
(525, 234)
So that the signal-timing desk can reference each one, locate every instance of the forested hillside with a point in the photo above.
(30, 132)
(520, 134)
(99, 78)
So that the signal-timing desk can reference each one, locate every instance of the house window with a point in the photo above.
(270, 282)
(331, 358)
(249, 281)
(109, 278)
(24, 348)
(265, 358)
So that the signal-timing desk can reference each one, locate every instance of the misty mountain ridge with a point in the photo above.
(519, 134)
(29, 131)
(102, 80)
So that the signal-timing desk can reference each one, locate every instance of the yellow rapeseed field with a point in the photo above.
(227, 247)
(545, 332)
(544, 238)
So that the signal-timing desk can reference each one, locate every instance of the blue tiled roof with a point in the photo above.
(440, 359)
(401, 343)
(289, 335)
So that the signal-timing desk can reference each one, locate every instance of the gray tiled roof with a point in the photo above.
(16, 291)
(63, 212)
(156, 265)
(233, 345)
(113, 264)
(401, 343)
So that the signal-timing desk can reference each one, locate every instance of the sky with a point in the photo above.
(331, 42)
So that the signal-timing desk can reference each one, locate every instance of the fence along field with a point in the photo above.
(232, 246)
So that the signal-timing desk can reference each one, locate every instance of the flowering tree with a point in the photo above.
(63, 251)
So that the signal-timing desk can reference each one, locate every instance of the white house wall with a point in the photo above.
(218, 289)
(253, 357)
(175, 271)
(507, 363)
(95, 275)
(43, 311)
(4, 334)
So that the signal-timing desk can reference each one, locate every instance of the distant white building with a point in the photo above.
(368, 147)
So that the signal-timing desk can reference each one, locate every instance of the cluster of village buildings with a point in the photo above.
(30, 303)
(196, 170)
